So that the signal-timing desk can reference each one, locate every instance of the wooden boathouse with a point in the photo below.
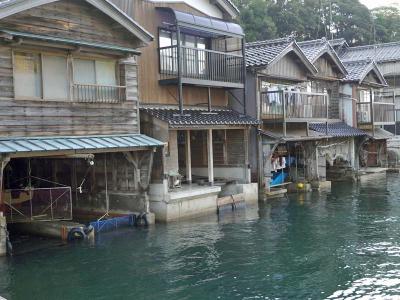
(186, 79)
(70, 142)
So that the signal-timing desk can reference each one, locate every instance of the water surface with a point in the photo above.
(339, 245)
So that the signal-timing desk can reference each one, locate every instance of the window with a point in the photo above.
(96, 80)
(365, 96)
(95, 72)
(27, 75)
(47, 76)
(40, 76)
(55, 77)
(194, 61)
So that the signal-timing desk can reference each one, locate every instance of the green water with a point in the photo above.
(339, 245)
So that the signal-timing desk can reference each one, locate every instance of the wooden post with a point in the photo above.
(188, 158)
(210, 157)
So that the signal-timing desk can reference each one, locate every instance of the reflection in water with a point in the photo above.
(339, 245)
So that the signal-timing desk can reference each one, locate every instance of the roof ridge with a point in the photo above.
(287, 39)
(372, 46)
(321, 40)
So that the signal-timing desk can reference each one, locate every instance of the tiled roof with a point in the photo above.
(378, 52)
(337, 42)
(199, 117)
(357, 70)
(338, 129)
(314, 48)
(264, 52)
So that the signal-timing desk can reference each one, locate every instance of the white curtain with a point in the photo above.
(55, 77)
(28, 75)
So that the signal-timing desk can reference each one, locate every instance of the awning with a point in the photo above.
(202, 24)
(199, 117)
(77, 143)
(73, 42)
(379, 134)
(293, 136)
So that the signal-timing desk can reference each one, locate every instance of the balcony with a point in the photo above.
(201, 67)
(93, 93)
(290, 106)
(380, 111)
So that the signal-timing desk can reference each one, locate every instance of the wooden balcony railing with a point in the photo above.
(381, 111)
(201, 64)
(92, 93)
(294, 106)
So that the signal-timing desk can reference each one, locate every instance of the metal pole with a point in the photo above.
(371, 99)
(244, 76)
(209, 98)
(106, 183)
(283, 95)
(179, 53)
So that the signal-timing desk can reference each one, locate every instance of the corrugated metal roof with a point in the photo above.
(379, 134)
(338, 129)
(204, 23)
(40, 144)
(199, 117)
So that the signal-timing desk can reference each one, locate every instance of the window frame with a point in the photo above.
(70, 71)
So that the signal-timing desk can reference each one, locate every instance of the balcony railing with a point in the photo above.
(92, 93)
(294, 106)
(201, 64)
(379, 112)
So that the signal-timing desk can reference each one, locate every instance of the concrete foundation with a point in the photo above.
(3, 235)
(194, 200)
(187, 202)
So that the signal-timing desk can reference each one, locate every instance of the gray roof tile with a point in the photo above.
(198, 117)
(264, 52)
(338, 129)
(378, 52)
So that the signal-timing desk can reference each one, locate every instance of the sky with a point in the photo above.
(376, 3)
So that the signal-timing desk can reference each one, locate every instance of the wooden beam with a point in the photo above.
(210, 157)
(188, 152)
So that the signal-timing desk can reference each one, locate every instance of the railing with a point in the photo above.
(93, 93)
(39, 204)
(286, 105)
(383, 110)
(201, 64)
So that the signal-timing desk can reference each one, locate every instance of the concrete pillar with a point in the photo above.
(210, 156)
(188, 158)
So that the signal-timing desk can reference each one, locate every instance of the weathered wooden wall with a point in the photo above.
(326, 68)
(144, 12)
(72, 19)
(287, 68)
(69, 19)
(47, 117)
